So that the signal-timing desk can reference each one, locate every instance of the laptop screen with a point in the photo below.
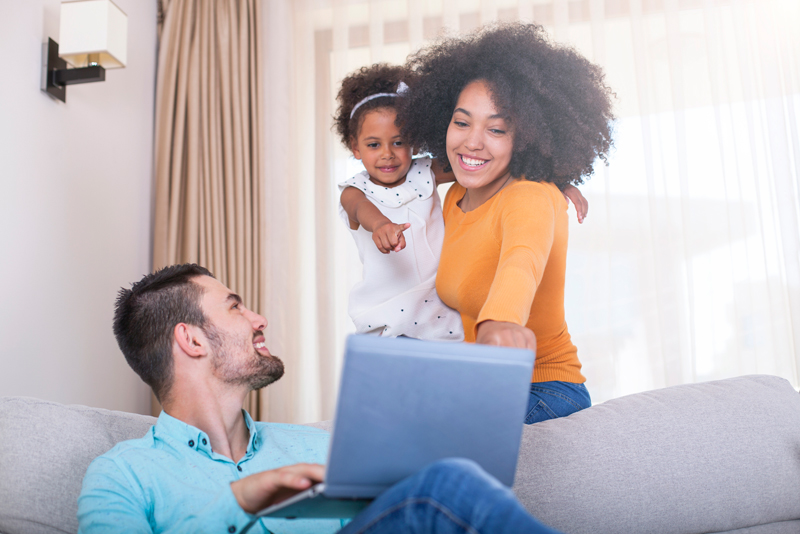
(405, 403)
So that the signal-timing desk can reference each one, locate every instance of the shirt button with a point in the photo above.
(191, 443)
(239, 467)
(231, 529)
(205, 442)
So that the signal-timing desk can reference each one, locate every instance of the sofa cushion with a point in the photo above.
(710, 457)
(45, 448)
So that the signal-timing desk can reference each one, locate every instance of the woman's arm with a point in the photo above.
(527, 222)
(387, 235)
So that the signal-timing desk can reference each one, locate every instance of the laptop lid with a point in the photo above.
(404, 403)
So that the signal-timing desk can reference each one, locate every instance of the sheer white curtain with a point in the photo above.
(688, 266)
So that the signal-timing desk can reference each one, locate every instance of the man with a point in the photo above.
(206, 466)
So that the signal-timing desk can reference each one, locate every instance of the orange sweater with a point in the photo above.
(506, 261)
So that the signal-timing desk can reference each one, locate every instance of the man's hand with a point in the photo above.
(256, 492)
(505, 335)
(389, 237)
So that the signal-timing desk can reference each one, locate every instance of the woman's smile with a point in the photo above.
(471, 164)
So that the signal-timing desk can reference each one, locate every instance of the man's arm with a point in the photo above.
(112, 500)
(108, 501)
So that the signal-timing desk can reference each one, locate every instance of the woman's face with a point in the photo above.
(479, 141)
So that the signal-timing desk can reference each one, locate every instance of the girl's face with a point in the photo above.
(379, 147)
(479, 141)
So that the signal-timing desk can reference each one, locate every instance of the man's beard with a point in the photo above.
(256, 372)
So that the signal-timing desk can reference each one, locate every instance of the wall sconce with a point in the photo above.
(94, 37)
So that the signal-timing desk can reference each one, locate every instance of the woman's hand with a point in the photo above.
(505, 334)
(388, 236)
(256, 492)
(571, 193)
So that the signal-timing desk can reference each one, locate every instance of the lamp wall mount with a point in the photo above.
(56, 76)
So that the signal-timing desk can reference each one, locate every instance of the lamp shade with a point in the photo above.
(95, 28)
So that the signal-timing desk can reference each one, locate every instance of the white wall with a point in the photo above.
(75, 211)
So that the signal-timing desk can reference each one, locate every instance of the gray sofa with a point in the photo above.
(703, 458)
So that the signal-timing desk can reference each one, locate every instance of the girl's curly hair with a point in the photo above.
(379, 78)
(555, 99)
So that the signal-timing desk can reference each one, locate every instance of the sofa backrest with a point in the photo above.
(45, 448)
(710, 457)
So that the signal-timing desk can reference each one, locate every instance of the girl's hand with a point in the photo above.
(388, 236)
(505, 334)
(581, 204)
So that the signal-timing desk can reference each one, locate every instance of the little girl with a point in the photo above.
(394, 214)
(392, 206)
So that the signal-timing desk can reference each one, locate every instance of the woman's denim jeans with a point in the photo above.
(550, 400)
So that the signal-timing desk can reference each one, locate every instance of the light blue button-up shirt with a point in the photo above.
(171, 481)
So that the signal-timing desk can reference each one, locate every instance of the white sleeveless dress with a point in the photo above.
(397, 295)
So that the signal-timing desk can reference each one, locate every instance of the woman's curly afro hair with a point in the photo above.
(367, 81)
(555, 99)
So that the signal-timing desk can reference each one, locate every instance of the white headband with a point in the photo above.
(401, 89)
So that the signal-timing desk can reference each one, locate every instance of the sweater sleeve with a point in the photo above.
(525, 226)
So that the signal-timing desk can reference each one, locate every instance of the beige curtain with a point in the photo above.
(688, 266)
(208, 143)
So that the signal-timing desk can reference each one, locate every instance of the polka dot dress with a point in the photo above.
(397, 295)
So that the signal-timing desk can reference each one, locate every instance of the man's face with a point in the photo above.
(238, 351)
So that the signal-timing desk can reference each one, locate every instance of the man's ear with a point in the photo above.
(354, 148)
(190, 339)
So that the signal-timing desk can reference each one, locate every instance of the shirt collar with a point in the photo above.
(186, 435)
(419, 185)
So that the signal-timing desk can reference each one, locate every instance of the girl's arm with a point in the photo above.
(439, 174)
(387, 236)
(581, 204)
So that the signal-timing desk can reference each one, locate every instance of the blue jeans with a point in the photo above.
(550, 400)
(447, 497)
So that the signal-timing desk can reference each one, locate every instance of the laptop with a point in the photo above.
(405, 403)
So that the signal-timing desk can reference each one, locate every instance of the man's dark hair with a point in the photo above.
(145, 317)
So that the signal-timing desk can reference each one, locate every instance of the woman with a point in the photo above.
(516, 117)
